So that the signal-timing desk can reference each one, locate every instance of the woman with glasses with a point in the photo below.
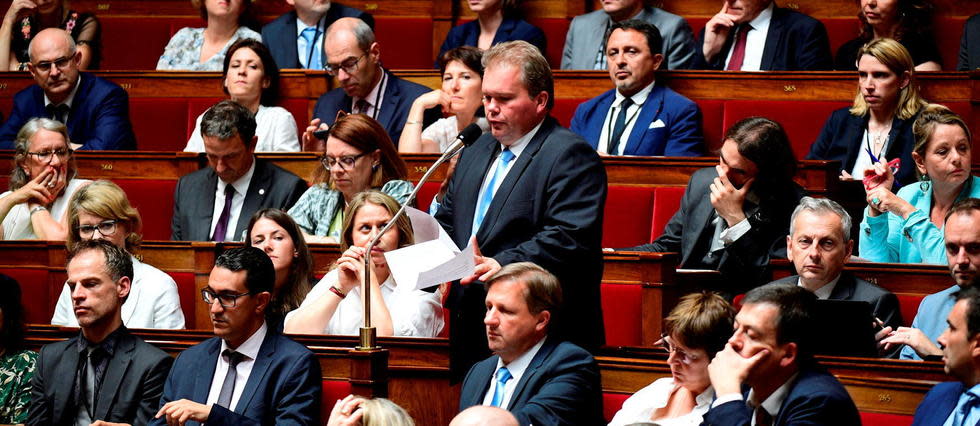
(275, 233)
(334, 306)
(101, 210)
(496, 21)
(25, 18)
(41, 184)
(694, 332)
(251, 78)
(203, 49)
(358, 156)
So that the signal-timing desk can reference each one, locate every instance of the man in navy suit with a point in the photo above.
(538, 378)
(957, 403)
(529, 190)
(766, 374)
(289, 36)
(354, 57)
(96, 111)
(639, 117)
(249, 374)
(755, 35)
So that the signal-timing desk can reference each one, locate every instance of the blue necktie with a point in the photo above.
(503, 375)
(506, 156)
(963, 412)
(310, 35)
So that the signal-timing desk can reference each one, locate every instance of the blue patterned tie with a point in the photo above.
(310, 35)
(506, 156)
(503, 375)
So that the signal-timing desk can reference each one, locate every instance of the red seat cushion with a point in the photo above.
(949, 31)
(666, 202)
(611, 403)
(621, 314)
(189, 296)
(406, 43)
(564, 110)
(909, 305)
(627, 216)
(121, 50)
(159, 123)
(37, 297)
(879, 419)
(712, 116)
(801, 133)
(840, 31)
(554, 30)
(333, 390)
(196, 107)
(299, 108)
(426, 195)
(154, 199)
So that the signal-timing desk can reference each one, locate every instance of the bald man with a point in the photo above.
(484, 415)
(96, 111)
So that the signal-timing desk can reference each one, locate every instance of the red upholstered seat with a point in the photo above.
(802, 132)
(123, 50)
(840, 31)
(189, 296)
(406, 43)
(712, 115)
(155, 201)
(555, 30)
(611, 403)
(4, 183)
(333, 390)
(564, 110)
(426, 194)
(6, 105)
(909, 305)
(627, 216)
(196, 107)
(949, 30)
(666, 202)
(159, 123)
(37, 297)
(621, 314)
(879, 419)
(298, 108)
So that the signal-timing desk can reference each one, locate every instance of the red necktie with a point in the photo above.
(738, 52)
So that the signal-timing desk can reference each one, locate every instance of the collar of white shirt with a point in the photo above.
(775, 400)
(300, 26)
(372, 97)
(71, 96)
(824, 292)
(519, 365)
(241, 185)
(518, 147)
(251, 346)
(638, 99)
(761, 22)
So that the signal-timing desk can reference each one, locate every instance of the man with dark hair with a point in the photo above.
(105, 373)
(638, 117)
(295, 39)
(527, 191)
(734, 217)
(770, 352)
(216, 203)
(962, 235)
(538, 378)
(248, 374)
(957, 403)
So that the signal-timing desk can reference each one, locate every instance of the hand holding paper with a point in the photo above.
(485, 266)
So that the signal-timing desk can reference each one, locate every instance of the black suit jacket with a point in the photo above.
(970, 45)
(559, 387)
(130, 391)
(271, 186)
(280, 34)
(883, 303)
(743, 263)
(548, 210)
(795, 42)
(842, 139)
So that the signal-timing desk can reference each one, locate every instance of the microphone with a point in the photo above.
(465, 138)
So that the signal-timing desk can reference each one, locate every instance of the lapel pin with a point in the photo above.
(261, 191)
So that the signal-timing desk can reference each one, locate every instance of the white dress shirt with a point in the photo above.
(375, 98)
(516, 148)
(241, 188)
(244, 368)
(823, 293)
(631, 113)
(863, 160)
(302, 47)
(640, 407)
(771, 404)
(755, 41)
(517, 367)
(68, 101)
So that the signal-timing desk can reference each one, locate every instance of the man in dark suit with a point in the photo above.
(538, 378)
(528, 191)
(639, 117)
(354, 57)
(295, 39)
(755, 35)
(249, 374)
(766, 374)
(734, 217)
(216, 203)
(970, 45)
(957, 403)
(96, 111)
(105, 373)
(819, 244)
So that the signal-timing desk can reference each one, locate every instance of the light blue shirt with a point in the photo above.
(302, 48)
(931, 318)
(973, 416)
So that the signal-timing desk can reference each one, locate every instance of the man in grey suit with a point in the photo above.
(216, 203)
(584, 48)
(105, 374)
(819, 244)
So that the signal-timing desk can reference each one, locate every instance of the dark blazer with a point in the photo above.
(816, 398)
(282, 389)
(883, 303)
(842, 138)
(938, 404)
(548, 210)
(271, 186)
(795, 42)
(560, 387)
(678, 133)
(397, 102)
(130, 390)
(280, 34)
(745, 261)
(99, 117)
(970, 45)
(510, 29)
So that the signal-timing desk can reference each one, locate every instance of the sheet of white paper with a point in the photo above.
(461, 265)
(407, 263)
(427, 228)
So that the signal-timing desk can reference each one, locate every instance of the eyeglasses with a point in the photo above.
(47, 156)
(346, 162)
(684, 357)
(227, 300)
(61, 63)
(349, 66)
(106, 228)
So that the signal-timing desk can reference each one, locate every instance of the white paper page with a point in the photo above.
(407, 263)
(460, 266)
(427, 228)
